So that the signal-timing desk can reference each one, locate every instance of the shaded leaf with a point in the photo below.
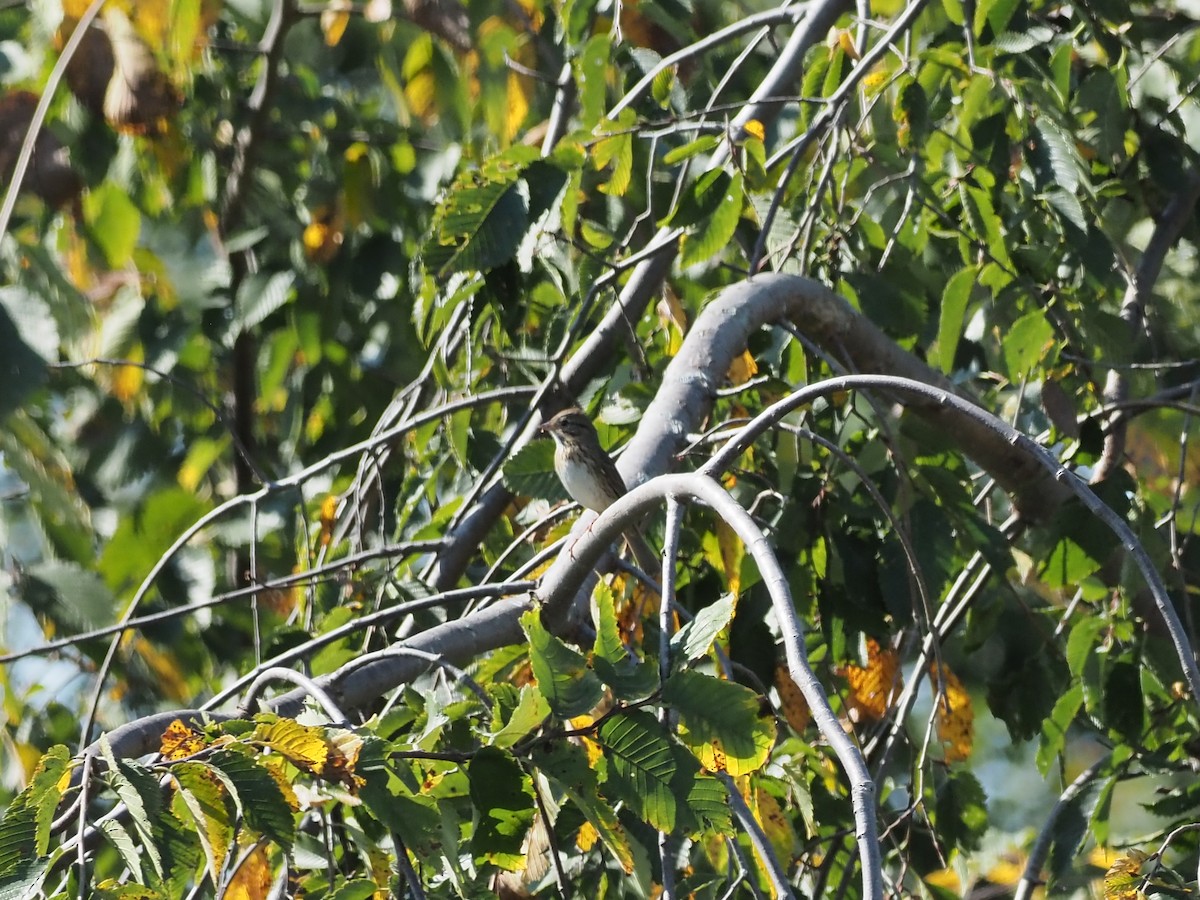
(503, 797)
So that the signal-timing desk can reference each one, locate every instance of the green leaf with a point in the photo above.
(257, 795)
(481, 229)
(721, 722)
(114, 223)
(1068, 205)
(1124, 706)
(260, 295)
(78, 596)
(502, 793)
(118, 835)
(18, 835)
(201, 797)
(483, 218)
(530, 472)
(529, 713)
(23, 880)
(25, 828)
(616, 148)
(662, 85)
(546, 183)
(641, 760)
(995, 13)
(716, 233)
(961, 810)
(1054, 157)
(1026, 344)
(700, 203)
(1056, 727)
(703, 144)
(951, 320)
(22, 368)
(138, 789)
(1068, 564)
(1081, 642)
(569, 686)
(709, 803)
(592, 75)
(629, 676)
(981, 214)
(911, 113)
(143, 536)
(695, 638)
(390, 800)
(357, 889)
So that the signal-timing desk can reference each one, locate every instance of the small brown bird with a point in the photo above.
(589, 475)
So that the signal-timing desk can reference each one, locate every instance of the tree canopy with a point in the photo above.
(892, 308)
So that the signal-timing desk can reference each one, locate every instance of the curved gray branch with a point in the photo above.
(720, 334)
(592, 537)
(1002, 431)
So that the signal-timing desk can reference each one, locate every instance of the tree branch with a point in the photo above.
(721, 333)
(1175, 217)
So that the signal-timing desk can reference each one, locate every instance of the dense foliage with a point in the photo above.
(905, 295)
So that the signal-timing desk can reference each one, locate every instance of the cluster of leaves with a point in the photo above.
(240, 802)
(277, 236)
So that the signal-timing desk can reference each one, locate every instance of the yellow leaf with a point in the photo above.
(252, 880)
(180, 742)
(334, 19)
(1123, 877)
(275, 765)
(127, 380)
(328, 518)
(323, 235)
(775, 825)
(877, 78)
(743, 368)
(714, 760)
(533, 9)
(518, 106)
(946, 879)
(1007, 871)
(872, 686)
(955, 717)
(754, 128)
(732, 552)
(791, 702)
(420, 92)
(672, 316)
(165, 671)
(845, 40)
(587, 837)
(303, 745)
(593, 749)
